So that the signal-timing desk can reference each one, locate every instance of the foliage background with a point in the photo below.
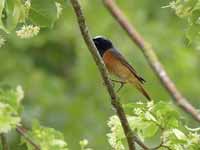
(63, 88)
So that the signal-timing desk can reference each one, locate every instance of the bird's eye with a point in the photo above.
(96, 42)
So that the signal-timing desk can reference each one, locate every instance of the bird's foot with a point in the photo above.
(121, 84)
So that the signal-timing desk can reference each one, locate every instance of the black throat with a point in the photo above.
(102, 44)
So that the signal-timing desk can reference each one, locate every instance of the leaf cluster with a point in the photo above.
(161, 121)
(36, 12)
(190, 10)
(10, 107)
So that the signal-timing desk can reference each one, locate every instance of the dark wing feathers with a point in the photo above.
(124, 62)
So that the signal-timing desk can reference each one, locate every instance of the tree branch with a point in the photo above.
(152, 59)
(23, 132)
(130, 135)
(4, 142)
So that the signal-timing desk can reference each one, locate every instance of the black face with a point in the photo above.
(102, 44)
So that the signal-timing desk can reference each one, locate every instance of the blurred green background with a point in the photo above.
(63, 88)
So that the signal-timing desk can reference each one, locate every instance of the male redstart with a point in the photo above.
(117, 64)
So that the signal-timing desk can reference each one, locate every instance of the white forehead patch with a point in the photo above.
(99, 36)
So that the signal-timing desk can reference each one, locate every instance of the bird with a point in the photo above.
(117, 65)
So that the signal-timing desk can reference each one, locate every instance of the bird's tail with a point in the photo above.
(142, 90)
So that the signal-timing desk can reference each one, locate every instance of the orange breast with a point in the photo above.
(115, 67)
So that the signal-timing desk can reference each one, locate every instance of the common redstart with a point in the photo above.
(117, 64)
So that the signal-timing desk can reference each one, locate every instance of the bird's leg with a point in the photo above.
(113, 84)
(121, 84)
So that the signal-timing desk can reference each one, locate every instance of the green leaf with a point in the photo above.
(194, 19)
(192, 32)
(190, 10)
(46, 138)
(149, 130)
(2, 5)
(15, 13)
(11, 96)
(183, 8)
(197, 6)
(149, 116)
(43, 13)
(8, 118)
(166, 114)
(178, 140)
(9, 108)
(194, 25)
(180, 135)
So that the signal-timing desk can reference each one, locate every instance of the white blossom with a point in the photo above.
(149, 116)
(114, 142)
(116, 135)
(194, 138)
(83, 142)
(138, 111)
(59, 142)
(27, 4)
(2, 41)
(150, 105)
(179, 134)
(166, 134)
(178, 147)
(172, 4)
(139, 102)
(192, 129)
(20, 93)
(59, 9)
(28, 31)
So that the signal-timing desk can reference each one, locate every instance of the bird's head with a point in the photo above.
(102, 44)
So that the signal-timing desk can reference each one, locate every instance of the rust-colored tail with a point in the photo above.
(142, 90)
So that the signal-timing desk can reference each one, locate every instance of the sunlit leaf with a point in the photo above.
(43, 13)
(2, 5)
(149, 130)
(46, 138)
(9, 108)
(14, 14)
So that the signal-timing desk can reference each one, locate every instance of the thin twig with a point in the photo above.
(157, 147)
(152, 59)
(130, 135)
(4, 142)
(22, 131)
(139, 142)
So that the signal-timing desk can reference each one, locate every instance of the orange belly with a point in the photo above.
(115, 67)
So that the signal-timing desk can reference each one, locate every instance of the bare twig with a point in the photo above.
(130, 135)
(161, 145)
(4, 142)
(157, 147)
(141, 144)
(23, 132)
(152, 59)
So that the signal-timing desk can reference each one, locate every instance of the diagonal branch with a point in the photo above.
(23, 132)
(130, 135)
(152, 59)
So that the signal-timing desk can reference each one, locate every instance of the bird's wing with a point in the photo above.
(125, 63)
